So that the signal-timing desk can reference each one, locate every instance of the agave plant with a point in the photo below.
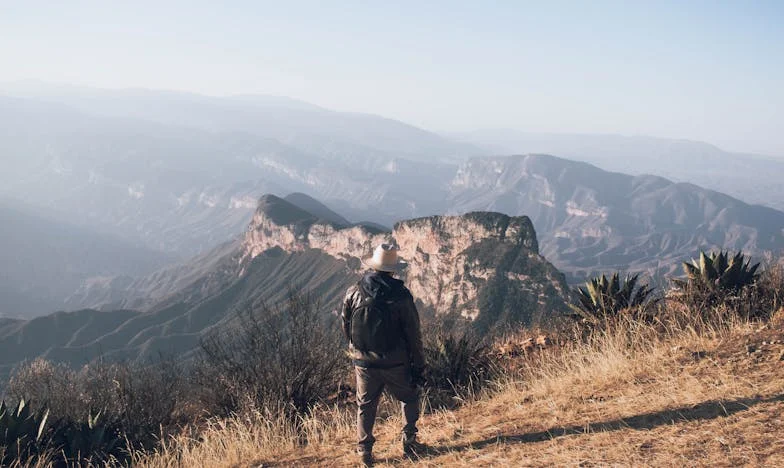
(458, 363)
(601, 297)
(718, 272)
(21, 429)
(89, 440)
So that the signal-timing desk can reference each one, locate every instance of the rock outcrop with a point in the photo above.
(482, 266)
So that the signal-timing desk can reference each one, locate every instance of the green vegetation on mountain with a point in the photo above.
(316, 208)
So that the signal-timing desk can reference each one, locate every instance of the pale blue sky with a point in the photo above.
(711, 71)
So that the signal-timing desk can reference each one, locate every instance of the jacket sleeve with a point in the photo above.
(413, 333)
(345, 315)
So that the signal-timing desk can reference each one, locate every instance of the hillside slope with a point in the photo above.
(723, 410)
(175, 325)
(687, 400)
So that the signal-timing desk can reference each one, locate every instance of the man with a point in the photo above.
(381, 324)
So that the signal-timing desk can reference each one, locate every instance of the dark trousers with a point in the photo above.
(371, 383)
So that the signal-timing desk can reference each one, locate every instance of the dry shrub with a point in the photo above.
(256, 437)
(49, 384)
(288, 357)
(139, 400)
(460, 364)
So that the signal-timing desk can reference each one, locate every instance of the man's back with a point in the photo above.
(399, 303)
(381, 324)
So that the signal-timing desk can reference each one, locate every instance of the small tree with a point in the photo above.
(603, 298)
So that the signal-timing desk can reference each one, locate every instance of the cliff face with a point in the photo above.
(482, 266)
(278, 223)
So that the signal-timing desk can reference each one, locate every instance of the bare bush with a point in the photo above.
(140, 400)
(53, 385)
(287, 357)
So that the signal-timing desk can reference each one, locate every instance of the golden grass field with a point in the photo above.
(627, 397)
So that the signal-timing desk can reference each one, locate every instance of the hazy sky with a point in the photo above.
(711, 71)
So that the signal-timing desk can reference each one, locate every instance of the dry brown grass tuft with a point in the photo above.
(631, 395)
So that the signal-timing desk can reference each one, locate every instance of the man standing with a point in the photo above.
(381, 324)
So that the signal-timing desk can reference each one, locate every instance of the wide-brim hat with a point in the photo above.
(385, 258)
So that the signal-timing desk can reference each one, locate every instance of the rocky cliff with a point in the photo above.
(482, 266)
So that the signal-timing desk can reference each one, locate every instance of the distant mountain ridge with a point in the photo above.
(187, 189)
(315, 207)
(43, 260)
(592, 220)
(753, 178)
(287, 120)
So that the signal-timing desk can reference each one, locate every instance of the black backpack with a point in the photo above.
(375, 326)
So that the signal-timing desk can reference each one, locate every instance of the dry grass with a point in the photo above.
(628, 397)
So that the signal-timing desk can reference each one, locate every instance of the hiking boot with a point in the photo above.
(366, 457)
(412, 448)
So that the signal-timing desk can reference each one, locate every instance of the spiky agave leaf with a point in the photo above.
(602, 297)
(627, 295)
(691, 269)
(21, 429)
(721, 261)
(733, 276)
(585, 314)
(707, 270)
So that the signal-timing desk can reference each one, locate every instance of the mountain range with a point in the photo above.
(754, 178)
(592, 220)
(181, 174)
(480, 268)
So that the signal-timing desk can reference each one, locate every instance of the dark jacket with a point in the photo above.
(384, 287)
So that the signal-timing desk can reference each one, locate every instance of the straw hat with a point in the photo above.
(385, 258)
